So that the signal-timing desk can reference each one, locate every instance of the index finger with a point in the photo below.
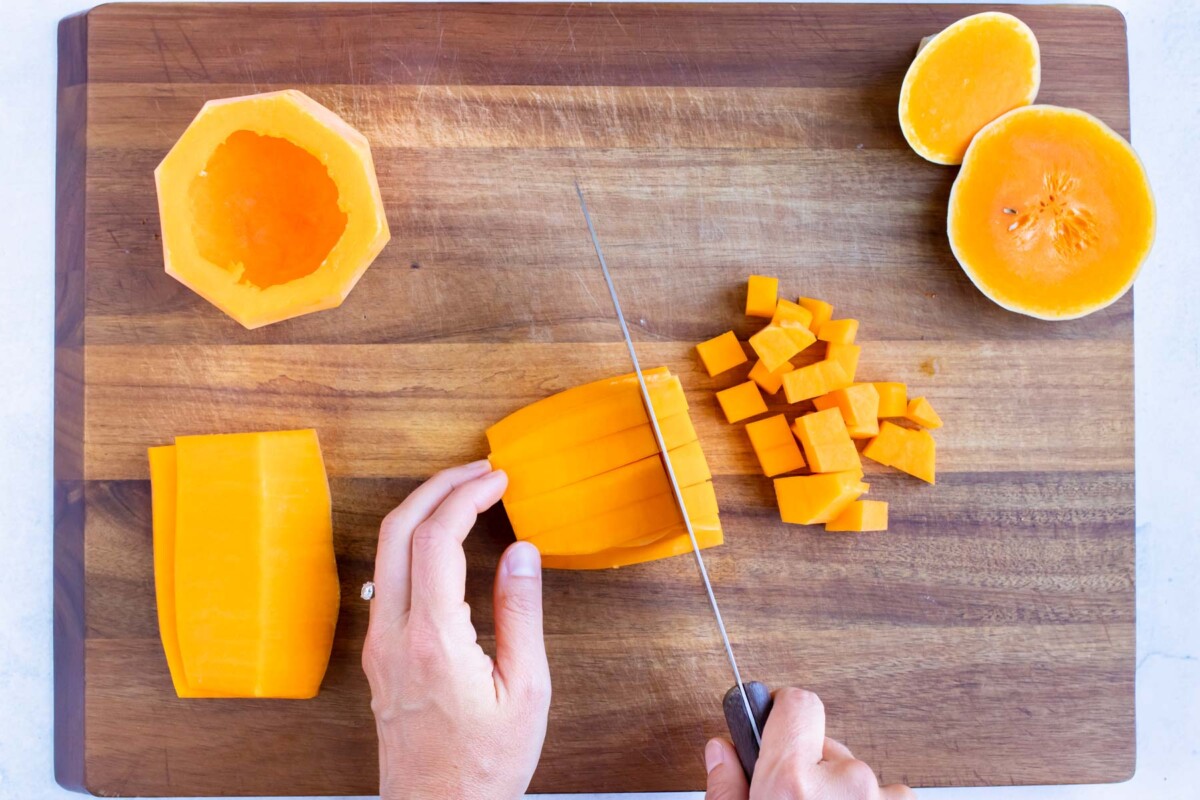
(439, 565)
(796, 727)
(393, 554)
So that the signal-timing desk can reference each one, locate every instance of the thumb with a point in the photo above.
(520, 646)
(726, 781)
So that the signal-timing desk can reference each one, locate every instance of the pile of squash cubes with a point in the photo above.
(844, 412)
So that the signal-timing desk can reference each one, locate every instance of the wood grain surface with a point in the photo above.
(988, 638)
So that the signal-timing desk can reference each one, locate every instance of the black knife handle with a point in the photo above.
(739, 726)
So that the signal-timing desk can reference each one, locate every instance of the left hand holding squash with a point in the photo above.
(451, 722)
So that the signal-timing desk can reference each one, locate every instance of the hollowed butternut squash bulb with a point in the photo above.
(1051, 214)
(963, 78)
(270, 207)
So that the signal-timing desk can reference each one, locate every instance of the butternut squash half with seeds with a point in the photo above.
(1051, 214)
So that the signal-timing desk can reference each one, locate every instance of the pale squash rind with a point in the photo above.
(977, 144)
(344, 152)
(928, 51)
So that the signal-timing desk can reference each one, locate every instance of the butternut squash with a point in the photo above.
(859, 407)
(861, 516)
(893, 398)
(1051, 214)
(721, 353)
(811, 499)
(587, 485)
(245, 564)
(768, 381)
(774, 346)
(914, 452)
(963, 78)
(820, 310)
(774, 445)
(270, 207)
(827, 444)
(813, 380)
(708, 534)
(761, 293)
(741, 402)
(921, 412)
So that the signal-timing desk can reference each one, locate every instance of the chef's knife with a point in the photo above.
(745, 705)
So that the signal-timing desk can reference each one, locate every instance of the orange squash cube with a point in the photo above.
(827, 444)
(795, 319)
(721, 353)
(774, 346)
(809, 499)
(814, 380)
(774, 445)
(769, 381)
(922, 413)
(761, 293)
(909, 451)
(787, 311)
(859, 404)
(845, 354)
(893, 399)
(861, 516)
(741, 402)
(821, 312)
(841, 331)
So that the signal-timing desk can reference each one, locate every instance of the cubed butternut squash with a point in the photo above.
(893, 399)
(859, 404)
(787, 311)
(774, 346)
(769, 381)
(922, 413)
(814, 380)
(827, 444)
(842, 331)
(810, 499)
(845, 354)
(761, 293)
(774, 445)
(741, 402)
(914, 452)
(861, 516)
(721, 353)
(821, 311)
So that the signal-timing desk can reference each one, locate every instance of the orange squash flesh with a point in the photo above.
(814, 380)
(162, 510)
(921, 412)
(861, 516)
(846, 355)
(721, 353)
(708, 534)
(270, 207)
(741, 402)
(827, 444)
(527, 419)
(621, 526)
(842, 331)
(774, 445)
(820, 310)
(963, 78)
(774, 345)
(769, 382)
(252, 575)
(907, 450)
(810, 499)
(859, 406)
(761, 294)
(1051, 214)
(893, 398)
(533, 476)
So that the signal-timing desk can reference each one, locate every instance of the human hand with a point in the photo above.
(451, 722)
(797, 761)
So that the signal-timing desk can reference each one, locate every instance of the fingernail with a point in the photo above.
(478, 466)
(714, 754)
(523, 561)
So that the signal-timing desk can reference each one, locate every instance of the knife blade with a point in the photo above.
(745, 719)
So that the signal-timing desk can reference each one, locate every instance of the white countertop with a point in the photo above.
(1164, 54)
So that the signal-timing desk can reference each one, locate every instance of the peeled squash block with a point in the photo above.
(963, 78)
(1051, 214)
(245, 576)
(587, 483)
(270, 207)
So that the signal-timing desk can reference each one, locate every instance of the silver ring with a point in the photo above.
(367, 591)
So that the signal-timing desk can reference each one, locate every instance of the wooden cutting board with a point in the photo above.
(988, 638)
